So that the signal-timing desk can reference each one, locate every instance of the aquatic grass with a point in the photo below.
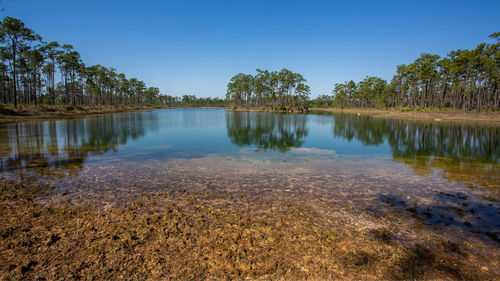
(77, 228)
(221, 236)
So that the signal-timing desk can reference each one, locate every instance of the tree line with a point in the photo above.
(268, 88)
(464, 79)
(29, 70)
(192, 100)
(34, 72)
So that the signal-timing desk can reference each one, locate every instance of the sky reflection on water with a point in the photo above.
(439, 174)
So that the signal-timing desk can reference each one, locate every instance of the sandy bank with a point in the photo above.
(36, 113)
(491, 118)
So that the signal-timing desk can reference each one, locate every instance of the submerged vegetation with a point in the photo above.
(465, 79)
(188, 235)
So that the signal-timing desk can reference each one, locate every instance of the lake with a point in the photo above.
(443, 178)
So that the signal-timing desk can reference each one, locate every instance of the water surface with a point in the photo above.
(434, 175)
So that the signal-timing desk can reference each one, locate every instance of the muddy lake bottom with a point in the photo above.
(237, 217)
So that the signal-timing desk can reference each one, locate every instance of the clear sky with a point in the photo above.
(195, 47)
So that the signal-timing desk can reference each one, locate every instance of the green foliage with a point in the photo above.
(34, 72)
(283, 88)
(322, 101)
(465, 79)
(29, 71)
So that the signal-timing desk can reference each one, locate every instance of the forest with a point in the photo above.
(268, 88)
(463, 80)
(193, 101)
(34, 72)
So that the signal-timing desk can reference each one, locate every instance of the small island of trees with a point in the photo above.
(280, 90)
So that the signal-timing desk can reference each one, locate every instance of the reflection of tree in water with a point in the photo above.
(466, 153)
(266, 130)
(53, 147)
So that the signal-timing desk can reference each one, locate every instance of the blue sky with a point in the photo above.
(195, 47)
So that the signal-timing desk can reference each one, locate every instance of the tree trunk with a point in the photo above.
(14, 74)
(443, 90)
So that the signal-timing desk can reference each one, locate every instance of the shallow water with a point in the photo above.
(444, 177)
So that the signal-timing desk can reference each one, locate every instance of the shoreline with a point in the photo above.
(40, 113)
(273, 109)
(455, 116)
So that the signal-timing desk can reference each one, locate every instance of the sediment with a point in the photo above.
(184, 235)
